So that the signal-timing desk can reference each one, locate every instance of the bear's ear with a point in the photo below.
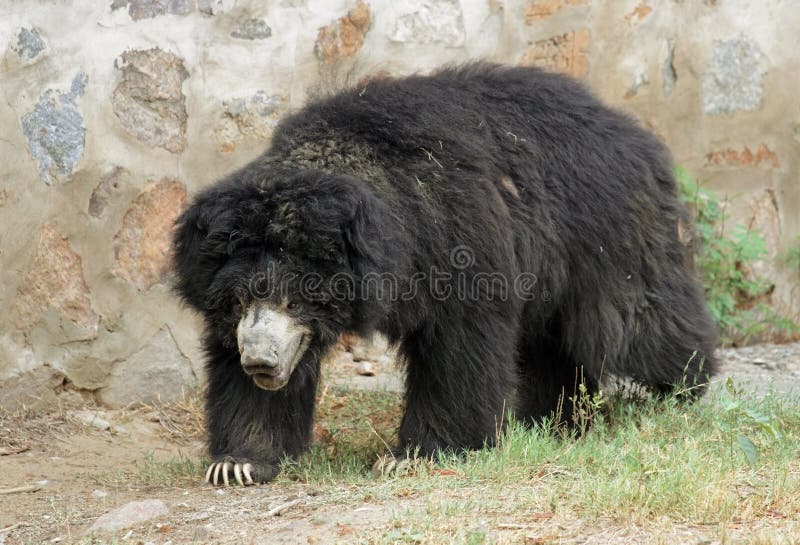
(197, 255)
(366, 235)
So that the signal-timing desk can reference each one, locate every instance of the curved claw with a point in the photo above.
(226, 467)
(383, 465)
(398, 467)
(405, 467)
(242, 473)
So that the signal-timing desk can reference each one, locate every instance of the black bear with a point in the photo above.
(501, 226)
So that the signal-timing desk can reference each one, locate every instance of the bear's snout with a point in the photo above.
(271, 344)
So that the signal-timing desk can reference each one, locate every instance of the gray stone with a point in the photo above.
(365, 368)
(55, 131)
(368, 349)
(147, 9)
(103, 191)
(91, 419)
(734, 81)
(29, 43)
(34, 389)
(149, 101)
(159, 371)
(668, 74)
(130, 514)
(260, 104)
(639, 80)
(84, 370)
(431, 21)
(252, 29)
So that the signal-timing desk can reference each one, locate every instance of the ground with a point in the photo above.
(78, 462)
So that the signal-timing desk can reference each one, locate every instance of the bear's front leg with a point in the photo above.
(251, 429)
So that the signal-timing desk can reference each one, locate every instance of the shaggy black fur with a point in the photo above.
(472, 171)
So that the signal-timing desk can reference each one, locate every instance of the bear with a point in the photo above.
(509, 233)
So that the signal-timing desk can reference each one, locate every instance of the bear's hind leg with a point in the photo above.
(672, 351)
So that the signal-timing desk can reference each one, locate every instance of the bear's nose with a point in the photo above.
(255, 359)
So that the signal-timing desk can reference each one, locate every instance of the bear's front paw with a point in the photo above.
(245, 473)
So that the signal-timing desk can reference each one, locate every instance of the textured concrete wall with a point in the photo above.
(114, 111)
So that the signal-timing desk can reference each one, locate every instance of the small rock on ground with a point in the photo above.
(130, 514)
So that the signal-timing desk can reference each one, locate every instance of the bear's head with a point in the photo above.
(274, 261)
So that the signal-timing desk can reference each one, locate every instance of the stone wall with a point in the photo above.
(114, 111)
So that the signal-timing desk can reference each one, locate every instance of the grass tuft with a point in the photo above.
(732, 456)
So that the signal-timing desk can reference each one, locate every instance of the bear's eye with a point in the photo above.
(292, 305)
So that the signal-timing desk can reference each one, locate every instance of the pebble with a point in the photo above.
(202, 533)
(130, 514)
(97, 494)
(365, 369)
(91, 418)
(202, 515)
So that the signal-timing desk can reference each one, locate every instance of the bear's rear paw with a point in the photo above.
(390, 465)
(245, 473)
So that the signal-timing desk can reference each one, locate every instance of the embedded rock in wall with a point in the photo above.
(149, 101)
(744, 157)
(252, 29)
(566, 53)
(157, 372)
(146, 9)
(255, 116)
(734, 80)
(430, 21)
(542, 9)
(668, 74)
(343, 38)
(638, 14)
(55, 131)
(105, 188)
(55, 281)
(142, 245)
(765, 220)
(29, 45)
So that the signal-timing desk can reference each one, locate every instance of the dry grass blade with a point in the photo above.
(20, 489)
(275, 511)
(182, 421)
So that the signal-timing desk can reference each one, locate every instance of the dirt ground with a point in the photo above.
(60, 470)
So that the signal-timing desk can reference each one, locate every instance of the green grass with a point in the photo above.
(730, 456)
(154, 473)
(727, 463)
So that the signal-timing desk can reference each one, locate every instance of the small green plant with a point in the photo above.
(475, 537)
(723, 258)
(738, 419)
(586, 406)
(792, 257)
